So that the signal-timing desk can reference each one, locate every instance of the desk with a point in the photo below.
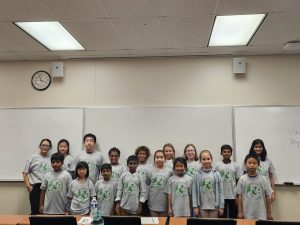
(24, 220)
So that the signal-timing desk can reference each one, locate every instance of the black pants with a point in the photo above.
(230, 208)
(34, 198)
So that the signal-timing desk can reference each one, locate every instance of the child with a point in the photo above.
(143, 153)
(91, 157)
(230, 173)
(63, 147)
(254, 193)
(208, 195)
(179, 190)
(131, 191)
(117, 169)
(81, 190)
(169, 152)
(54, 187)
(158, 178)
(266, 167)
(106, 189)
(35, 169)
(191, 157)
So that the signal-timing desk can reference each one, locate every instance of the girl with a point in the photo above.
(208, 196)
(81, 190)
(254, 193)
(143, 153)
(117, 168)
(179, 190)
(266, 167)
(190, 154)
(169, 152)
(35, 169)
(63, 147)
(157, 180)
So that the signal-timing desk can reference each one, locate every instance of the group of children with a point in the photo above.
(182, 186)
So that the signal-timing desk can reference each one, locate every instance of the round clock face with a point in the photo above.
(41, 80)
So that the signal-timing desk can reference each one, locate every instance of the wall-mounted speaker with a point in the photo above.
(57, 69)
(239, 65)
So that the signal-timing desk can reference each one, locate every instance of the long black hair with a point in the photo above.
(263, 155)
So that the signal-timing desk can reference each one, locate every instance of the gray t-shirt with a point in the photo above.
(266, 167)
(69, 163)
(106, 192)
(158, 180)
(131, 190)
(207, 190)
(169, 164)
(180, 188)
(56, 184)
(36, 167)
(192, 167)
(254, 191)
(94, 160)
(117, 171)
(81, 194)
(230, 172)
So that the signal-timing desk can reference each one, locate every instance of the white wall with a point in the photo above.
(189, 81)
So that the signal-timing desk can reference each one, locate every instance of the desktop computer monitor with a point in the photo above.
(122, 220)
(204, 221)
(52, 220)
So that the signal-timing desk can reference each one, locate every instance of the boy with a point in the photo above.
(54, 187)
(230, 173)
(91, 157)
(131, 191)
(106, 190)
(117, 169)
(254, 193)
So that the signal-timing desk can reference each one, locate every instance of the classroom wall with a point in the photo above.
(186, 81)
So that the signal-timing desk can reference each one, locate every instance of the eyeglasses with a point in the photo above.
(192, 150)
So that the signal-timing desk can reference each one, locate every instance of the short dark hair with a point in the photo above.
(106, 166)
(252, 156)
(57, 157)
(82, 165)
(63, 141)
(48, 140)
(142, 148)
(181, 160)
(264, 151)
(226, 147)
(114, 149)
(89, 135)
(132, 158)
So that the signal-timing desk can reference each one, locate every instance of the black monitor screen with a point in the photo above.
(200, 221)
(122, 220)
(274, 222)
(52, 220)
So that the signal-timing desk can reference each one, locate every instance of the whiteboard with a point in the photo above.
(21, 131)
(129, 127)
(279, 128)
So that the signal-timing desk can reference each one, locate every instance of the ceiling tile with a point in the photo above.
(185, 32)
(238, 7)
(95, 34)
(75, 9)
(36, 55)
(277, 29)
(9, 56)
(91, 54)
(131, 8)
(188, 7)
(287, 5)
(14, 39)
(24, 10)
(141, 33)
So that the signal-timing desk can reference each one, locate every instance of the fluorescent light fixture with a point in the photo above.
(234, 30)
(51, 34)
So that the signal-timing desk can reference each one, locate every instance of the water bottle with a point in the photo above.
(93, 208)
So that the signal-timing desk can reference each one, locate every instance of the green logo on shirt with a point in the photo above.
(158, 182)
(104, 194)
(82, 195)
(130, 187)
(207, 185)
(181, 190)
(142, 172)
(91, 165)
(261, 170)
(43, 167)
(253, 191)
(54, 185)
(226, 175)
(190, 171)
